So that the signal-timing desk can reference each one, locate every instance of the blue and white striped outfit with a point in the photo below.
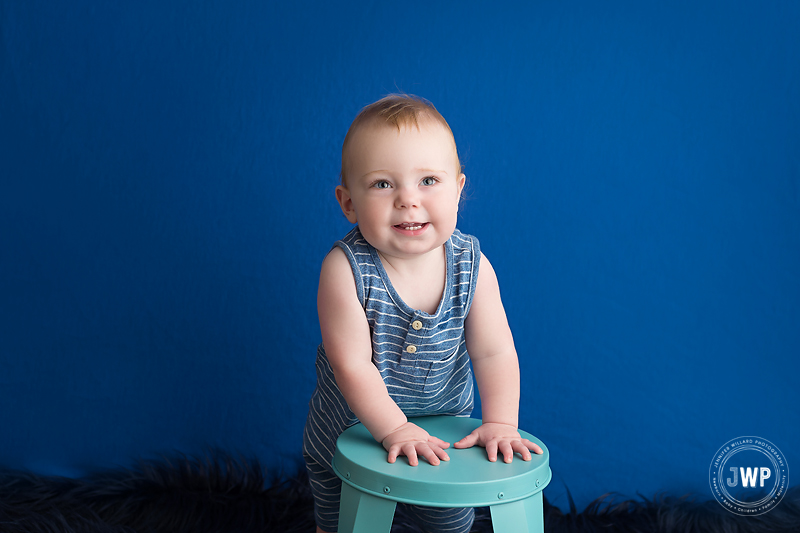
(433, 377)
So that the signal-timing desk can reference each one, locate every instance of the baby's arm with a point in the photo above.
(494, 361)
(347, 341)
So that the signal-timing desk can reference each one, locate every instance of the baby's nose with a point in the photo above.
(407, 197)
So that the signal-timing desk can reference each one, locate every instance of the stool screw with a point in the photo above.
(386, 489)
(347, 475)
(500, 496)
(537, 482)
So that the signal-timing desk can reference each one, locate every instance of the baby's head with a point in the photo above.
(401, 176)
(396, 111)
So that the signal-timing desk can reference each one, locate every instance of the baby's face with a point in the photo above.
(402, 187)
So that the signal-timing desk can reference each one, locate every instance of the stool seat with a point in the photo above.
(371, 486)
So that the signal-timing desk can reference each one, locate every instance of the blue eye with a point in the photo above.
(430, 180)
(381, 184)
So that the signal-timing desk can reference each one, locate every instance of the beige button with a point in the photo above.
(411, 348)
(416, 325)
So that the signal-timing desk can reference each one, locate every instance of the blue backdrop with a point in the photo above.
(167, 199)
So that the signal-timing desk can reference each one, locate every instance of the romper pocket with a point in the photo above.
(440, 371)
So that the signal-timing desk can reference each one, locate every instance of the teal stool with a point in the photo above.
(371, 487)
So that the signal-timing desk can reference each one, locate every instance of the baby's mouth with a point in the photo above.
(411, 226)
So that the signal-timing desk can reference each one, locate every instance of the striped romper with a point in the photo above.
(433, 377)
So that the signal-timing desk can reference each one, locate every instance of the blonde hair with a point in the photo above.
(398, 110)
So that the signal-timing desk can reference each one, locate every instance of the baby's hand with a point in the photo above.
(411, 440)
(502, 437)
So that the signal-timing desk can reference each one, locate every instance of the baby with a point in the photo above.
(405, 311)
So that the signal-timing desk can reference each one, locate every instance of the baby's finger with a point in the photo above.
(439, 451)
(522, 449)
(507, 451)
(438, 442)
(394, 451)
(491, 450)
(411, 453)
(428, 453)
(468, 442)
(532, 446)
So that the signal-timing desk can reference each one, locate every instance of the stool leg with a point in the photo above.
(520, 516)
(360, 512)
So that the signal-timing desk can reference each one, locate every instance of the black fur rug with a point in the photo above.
(221, 494)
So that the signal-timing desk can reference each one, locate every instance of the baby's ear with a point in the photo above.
(346, 203)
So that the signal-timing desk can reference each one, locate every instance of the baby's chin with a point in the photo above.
(409, 252)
